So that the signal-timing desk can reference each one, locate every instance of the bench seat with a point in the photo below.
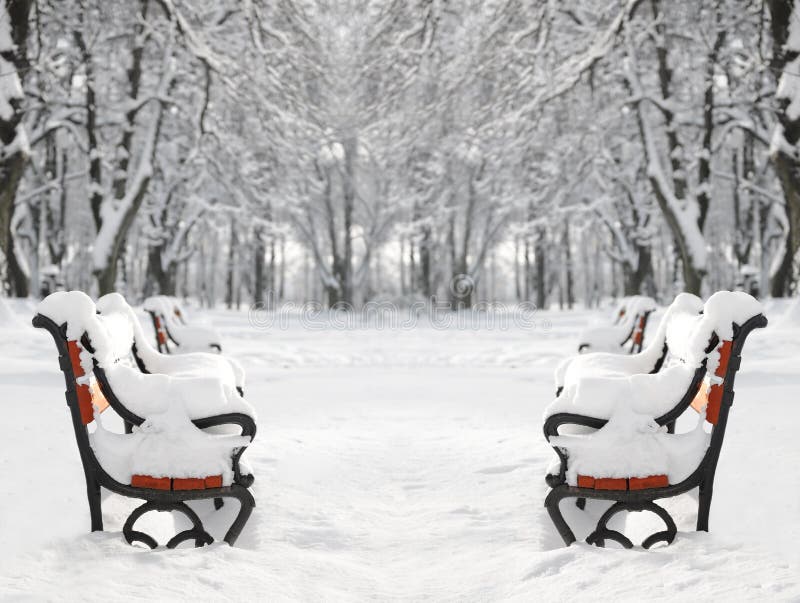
(150, 360)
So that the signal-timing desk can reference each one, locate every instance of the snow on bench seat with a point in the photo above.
(194, 364)
(632, 445)
(147, 394)
(167, 446)
(603, 364)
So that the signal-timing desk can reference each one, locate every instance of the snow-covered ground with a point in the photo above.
(399, 465)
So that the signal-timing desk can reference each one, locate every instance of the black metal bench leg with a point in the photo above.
(704, 507)
(602, 532)
(95, 506)
(128, 427)
(551, 503)
(580, 503)
(246, 504)
(197, 532)
(218, 503)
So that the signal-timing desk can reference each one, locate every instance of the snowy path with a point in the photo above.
(400, 466)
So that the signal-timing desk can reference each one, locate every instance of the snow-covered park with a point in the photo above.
(400, 464)
(400, 301)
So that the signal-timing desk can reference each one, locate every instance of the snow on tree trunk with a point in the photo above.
(14, 147)
(784, 150)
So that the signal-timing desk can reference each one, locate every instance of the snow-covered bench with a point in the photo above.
(173, 334)
(626, 453)
(180, 449)
(572, 370)
(630, 322)
(150, 360)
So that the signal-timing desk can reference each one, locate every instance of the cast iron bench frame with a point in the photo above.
(644, 500)
(155, 499)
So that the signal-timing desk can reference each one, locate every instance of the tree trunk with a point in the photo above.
(282, 273)
(403, 288)
(230, 282)
(164, 279)
(11, 133)
(786, 166)
(570, 294)
(259, 252)
(425, 263)
(541, 273)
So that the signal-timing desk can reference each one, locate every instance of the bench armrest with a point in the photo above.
(246, 422)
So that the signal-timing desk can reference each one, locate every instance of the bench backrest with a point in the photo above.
(715, 394)
(685, 306)
(633, 315)
(78, 362)
(165, 313)
(636, 336)
(90, 397)
(85, 340)
(114, 304)
(714, 340)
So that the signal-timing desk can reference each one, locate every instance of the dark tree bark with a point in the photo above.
(786, 165)
(425, 263)
(259, 250)
(570, 293)
(230, 292)
(13, 164)
(541, 268)
(164, 279)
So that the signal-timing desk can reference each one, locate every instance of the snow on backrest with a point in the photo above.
(679, 337)
(111, 337)
(635, 310)
(684, 304)
(119, 335)
(688, 337)
(114, 303)
(162, 308)
(641, 304)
